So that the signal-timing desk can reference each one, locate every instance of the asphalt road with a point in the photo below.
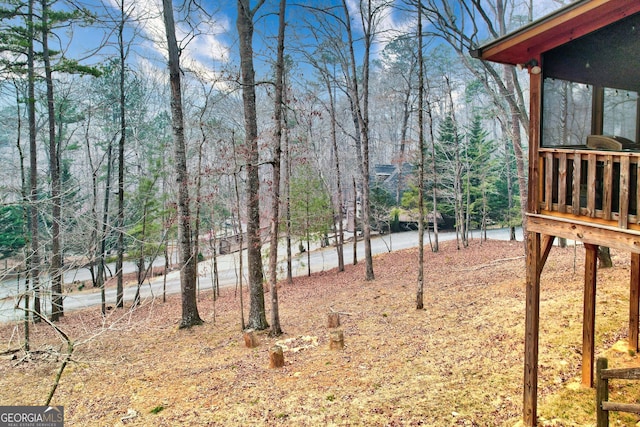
(319, 259)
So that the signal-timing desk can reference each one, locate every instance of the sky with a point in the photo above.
(215, 46)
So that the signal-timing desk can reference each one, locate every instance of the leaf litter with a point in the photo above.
(458, 362)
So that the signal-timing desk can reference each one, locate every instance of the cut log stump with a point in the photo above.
(250, 338)
(336, 340)
(276, 357)
(333, 320)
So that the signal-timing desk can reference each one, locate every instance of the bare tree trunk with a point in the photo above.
(190, 315)
(308, 228)
(216, 276)
(406, 113)
(242, 322)
(366, 212)
(57, 309)
(141, 264)
(512, 229)
(167, 264)
(421, 216)
(467, 223)
(340, 207)
(604, 256)
(287, 204)
(166, 223)
(102, 241)
(34, 256)
(196, 226)
(355, 222)
(244, 23)
(362, 114)
(24, 194)
(276, 330)
(121, 145)
(435, 247)
(485, 214)
(457, 180)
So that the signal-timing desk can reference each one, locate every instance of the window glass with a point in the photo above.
(620, 112)
(566, 120)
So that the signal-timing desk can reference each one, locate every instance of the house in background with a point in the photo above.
(394, 179)
(584, 157)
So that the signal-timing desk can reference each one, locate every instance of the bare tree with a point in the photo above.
(340, 197)
(320, 63)
(398, 81)
(434, 193)
(359, 98)
(276, 330)
(188, 262)
(461, 30)
(457, 166)
(287, 201)
(24, 195)
(421, 218)
(34, 256)
(54, 173)
(121, 154)
(123, 48)
(257, 315)
(101, 227)
(239, 231)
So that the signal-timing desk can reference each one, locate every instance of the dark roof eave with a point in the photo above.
(559, 27)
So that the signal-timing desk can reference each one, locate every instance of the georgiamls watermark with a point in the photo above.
(31, 416)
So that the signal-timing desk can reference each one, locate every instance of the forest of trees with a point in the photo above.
(132, 129)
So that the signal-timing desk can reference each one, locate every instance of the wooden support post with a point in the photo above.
(589, 317)
(532, 326)
(276, 357)
(336, 340)
(534, 260)
(634, 302)
(602, 394)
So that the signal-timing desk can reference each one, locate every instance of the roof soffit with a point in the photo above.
(567, 24)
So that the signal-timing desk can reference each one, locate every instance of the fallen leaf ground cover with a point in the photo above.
(457, 362)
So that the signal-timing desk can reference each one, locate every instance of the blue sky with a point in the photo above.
(216, 44)
(215, 47)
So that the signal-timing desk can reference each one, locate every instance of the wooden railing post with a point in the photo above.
(562, 182)
(607, 187)
(602, 394)
(592, 166)
(623, 197)
(577, 172)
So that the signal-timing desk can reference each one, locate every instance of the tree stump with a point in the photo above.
(250, 339)
(336, 340)
(276, 358)
(333, 320)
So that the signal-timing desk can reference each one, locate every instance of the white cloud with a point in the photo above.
(200, 51)
(388, 24)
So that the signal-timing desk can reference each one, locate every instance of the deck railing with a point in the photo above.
(600, 185)
(603, 405)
